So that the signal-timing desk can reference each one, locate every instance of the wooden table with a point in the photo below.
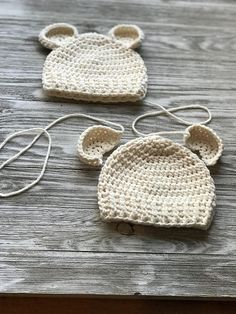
(51, 238)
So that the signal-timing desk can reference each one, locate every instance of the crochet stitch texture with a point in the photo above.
(95, 141)
(154, 181)
(205, 141)
(95, 67)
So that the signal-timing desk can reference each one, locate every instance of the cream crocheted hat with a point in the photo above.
(94, 67)
(154, 181)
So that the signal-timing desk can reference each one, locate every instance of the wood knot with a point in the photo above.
(125, 228)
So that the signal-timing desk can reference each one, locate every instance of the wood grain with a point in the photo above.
(51, 238)
(117, 273)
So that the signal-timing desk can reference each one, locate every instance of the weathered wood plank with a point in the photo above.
(211, 13)
(123, 274)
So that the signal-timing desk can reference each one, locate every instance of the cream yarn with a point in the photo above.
(91, 138)
(94, 67)
(154, 181)
(130, 35)
(95, 141)
(205, 141)
(57, 35)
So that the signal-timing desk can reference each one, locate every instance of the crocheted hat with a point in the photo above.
(94, 67)
(154, 181)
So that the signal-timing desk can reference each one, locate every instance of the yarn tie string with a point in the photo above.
(170, 113)
(45, 131)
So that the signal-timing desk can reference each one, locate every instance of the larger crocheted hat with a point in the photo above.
(154, 181)
(94, 67)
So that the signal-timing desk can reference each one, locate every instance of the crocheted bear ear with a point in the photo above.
(57, 35)
(205, 141)
(95, 141)
(129, 35)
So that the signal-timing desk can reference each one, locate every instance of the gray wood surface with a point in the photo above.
(51, 238)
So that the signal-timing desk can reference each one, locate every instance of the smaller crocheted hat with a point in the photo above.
(94, 67)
